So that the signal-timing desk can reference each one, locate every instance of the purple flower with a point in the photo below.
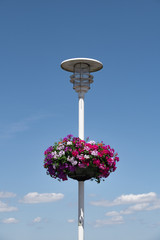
(65, 139)
(49, 156)
(70, 136)
(71, 168)
(81, 165)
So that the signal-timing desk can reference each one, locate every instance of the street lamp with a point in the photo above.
(81, 79)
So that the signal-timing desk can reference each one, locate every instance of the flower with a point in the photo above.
(72, 153)
(86, 148)
(92, 142)
(61, 153)
(94, 153)
(60, 146)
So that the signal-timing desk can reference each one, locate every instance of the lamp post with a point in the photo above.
(81, 79)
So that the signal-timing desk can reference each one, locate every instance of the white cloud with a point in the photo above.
(71, 220)
(134, 208)
(156, 205)
(37, 220)
(128, 199)
(9, 220)
(35, 197)
(112, 213)
(7, 195)
(114, 220)
(132, 198)
(5, 208)
(147, 202)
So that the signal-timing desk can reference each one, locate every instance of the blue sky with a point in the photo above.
(38, 106)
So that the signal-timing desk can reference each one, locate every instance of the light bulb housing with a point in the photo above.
(81, 68)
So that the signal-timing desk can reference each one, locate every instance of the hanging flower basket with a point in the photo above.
(80, 160)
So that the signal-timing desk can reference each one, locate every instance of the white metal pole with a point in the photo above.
(81, 183)
(80, 210)
(81, 116)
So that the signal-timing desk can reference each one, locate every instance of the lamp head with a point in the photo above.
(81, 68)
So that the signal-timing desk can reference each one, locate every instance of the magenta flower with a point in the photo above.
(75, 153)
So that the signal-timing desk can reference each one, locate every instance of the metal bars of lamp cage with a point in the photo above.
(81, 78)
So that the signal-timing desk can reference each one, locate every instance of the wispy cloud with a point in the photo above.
(135, 208)
(114, 220)
(5, 208)
(35, 197)
(37, 220)
(71, 220)
(9, 220)
(7, 195)
(112, 213)
(8, 131)
(130, 210)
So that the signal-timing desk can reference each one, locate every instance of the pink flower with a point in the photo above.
(101, 166)
(86, 148)
(110, 161)
(105, 151)
(96, 162)
(100, 154)
(81, 157)
(95, 147)
(75, 153)
(117, 159)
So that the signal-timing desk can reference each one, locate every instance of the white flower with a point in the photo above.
(69, 143)
(54, 166)
(92, 142)
(60, 147)
(61, 153)
(54, 154)
(94, 153)
(86, 156)
(74, 163)
(70, 159)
